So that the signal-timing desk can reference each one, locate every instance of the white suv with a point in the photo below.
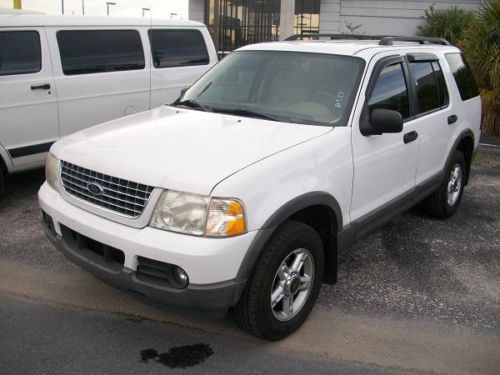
(243, 192)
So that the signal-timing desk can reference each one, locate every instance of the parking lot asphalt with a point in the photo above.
(419, 294)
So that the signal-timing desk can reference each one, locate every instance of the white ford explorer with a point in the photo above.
(242, 193)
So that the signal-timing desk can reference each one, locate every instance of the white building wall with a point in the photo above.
(399, 17)
(197, 10)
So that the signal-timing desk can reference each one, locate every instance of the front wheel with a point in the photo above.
(445, 201)
(285, 284)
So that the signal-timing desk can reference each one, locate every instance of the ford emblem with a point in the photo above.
(95, 189)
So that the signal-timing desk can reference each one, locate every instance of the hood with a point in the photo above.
(180, 149)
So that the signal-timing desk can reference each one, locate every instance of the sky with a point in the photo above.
(123, 8)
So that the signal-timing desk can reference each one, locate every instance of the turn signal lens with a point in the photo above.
(226, 218)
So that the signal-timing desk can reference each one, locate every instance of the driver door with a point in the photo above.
(384, 165)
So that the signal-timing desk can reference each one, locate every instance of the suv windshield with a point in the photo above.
(306, 88)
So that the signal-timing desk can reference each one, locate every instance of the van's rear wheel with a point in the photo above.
(2, 182)
(285, 284)
(445, 201)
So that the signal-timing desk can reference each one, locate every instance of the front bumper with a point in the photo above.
(211, 264)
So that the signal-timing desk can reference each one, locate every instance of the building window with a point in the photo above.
(235, 23)
(306, 19)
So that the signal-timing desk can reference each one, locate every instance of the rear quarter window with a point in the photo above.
(171, 48)
(463, 76)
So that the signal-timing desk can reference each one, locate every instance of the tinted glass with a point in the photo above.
(98, 51)
(19, 52)
(390, 91)
(293, 87)
(443, 90)
(177, 48)
(427, 88)
(463, 76)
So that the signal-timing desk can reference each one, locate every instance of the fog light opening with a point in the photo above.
(180, 277)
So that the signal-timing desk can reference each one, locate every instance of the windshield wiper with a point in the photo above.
(194, 104)
(250, 113)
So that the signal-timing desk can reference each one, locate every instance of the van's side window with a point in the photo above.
(427, 87)
(390, 91)
(98, 51)
(171, 48)
(20, 52)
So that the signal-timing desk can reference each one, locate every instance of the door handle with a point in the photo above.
(410, 137)
(45, 86)
(452, 119)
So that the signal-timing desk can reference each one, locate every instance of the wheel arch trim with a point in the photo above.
(316, 198)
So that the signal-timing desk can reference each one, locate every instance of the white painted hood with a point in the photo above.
(180, 149)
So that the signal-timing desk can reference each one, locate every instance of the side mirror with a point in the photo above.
(383, 121)
(183, 91)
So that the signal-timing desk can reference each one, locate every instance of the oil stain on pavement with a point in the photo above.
(179, 356)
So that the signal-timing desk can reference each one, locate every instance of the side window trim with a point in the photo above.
(380, 65)
(414, 105)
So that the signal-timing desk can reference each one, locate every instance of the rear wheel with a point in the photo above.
(285, 284)
(445, 201)
(2, 182)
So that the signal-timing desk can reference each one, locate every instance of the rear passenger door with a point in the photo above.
(28, 101)
(179, 58)
(101, 74)
(433, 117)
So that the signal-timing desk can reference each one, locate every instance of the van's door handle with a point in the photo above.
(410, 137)
(452, 119)
(45, 86)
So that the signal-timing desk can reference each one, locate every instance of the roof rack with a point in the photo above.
(384, 40)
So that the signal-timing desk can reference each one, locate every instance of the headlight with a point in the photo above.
(52, 172)
(199, 215)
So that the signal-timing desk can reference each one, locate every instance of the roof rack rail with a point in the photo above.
(384, 40)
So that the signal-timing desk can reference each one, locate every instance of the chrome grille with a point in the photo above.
(118, 195)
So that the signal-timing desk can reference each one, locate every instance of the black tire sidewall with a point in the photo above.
(278, 249)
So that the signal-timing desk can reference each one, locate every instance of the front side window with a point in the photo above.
(427, 87)
(99, 51)
(295, 87)
(171, 48)
(463, 76)
(390, 91)
(20, 52)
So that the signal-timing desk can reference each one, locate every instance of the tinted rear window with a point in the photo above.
(427, 89)
(98, 51)
(177, 48)
(19, 52)
(463, 76)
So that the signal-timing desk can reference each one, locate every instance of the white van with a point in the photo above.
(61, 74)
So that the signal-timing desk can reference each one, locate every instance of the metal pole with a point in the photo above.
(83, 7)
(18, 4)
(62, 6)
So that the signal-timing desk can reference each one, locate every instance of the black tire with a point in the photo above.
(437, 204)
(254, 312)
(2, 182)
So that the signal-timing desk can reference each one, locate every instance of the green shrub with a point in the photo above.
(481, 46)
(449, 24)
